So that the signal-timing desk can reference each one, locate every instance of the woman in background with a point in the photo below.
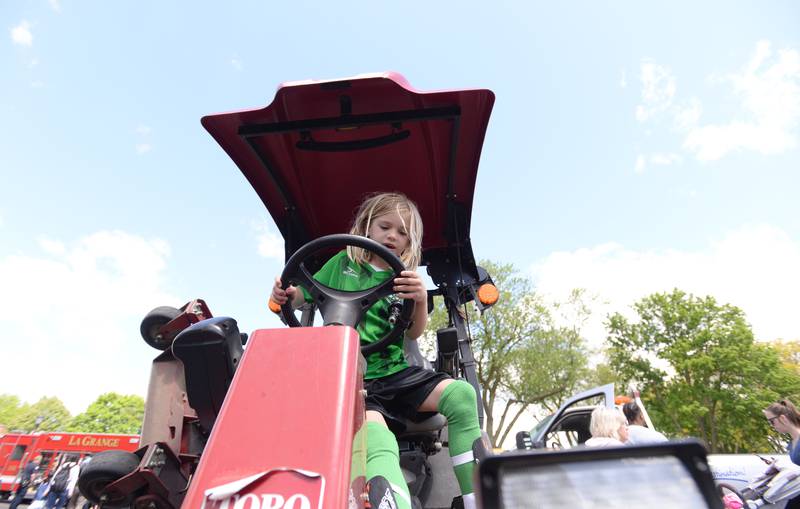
(608, 427)
(785, 419)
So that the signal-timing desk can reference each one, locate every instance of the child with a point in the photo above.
(394, 387)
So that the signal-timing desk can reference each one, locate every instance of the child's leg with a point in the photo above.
(383, 458)
(456, 400)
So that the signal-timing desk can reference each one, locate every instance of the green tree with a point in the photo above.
(111, 413)
(47, 414)
(789, 352)
(524, 357)
(9, 409)
(699, 369)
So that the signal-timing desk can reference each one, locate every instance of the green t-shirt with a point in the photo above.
(341, 273)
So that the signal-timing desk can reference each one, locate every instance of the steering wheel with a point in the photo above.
(339, 307)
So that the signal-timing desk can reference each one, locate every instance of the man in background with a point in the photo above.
(25, 478)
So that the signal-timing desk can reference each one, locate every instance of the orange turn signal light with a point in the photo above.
(274, 306)
(488, 294)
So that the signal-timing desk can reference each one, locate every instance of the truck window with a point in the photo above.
(561, 439)
(18, 452)
(571, 430)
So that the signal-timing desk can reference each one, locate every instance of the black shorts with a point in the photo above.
(398, 396)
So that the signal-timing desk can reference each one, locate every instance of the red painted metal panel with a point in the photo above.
(295, 404)
(321, 185)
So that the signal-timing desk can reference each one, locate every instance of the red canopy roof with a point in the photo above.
(321, 146)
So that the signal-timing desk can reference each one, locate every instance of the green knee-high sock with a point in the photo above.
(459, 404)
(383, 458)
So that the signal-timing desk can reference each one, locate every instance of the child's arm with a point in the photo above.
(280, 295)
(410, 286)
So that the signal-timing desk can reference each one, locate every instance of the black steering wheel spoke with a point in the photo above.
(304, 278)
(377, 293)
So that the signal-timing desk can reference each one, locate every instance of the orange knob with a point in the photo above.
(274, 306)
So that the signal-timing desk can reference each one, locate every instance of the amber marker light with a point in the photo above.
(488, 294)
(274, 306)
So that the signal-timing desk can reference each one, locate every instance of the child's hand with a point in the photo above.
(410, 286)
(280, 295)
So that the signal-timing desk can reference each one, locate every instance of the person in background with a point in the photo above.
(41, 494)
(785, 419)
(72, 488)
(638, 432)
(608, 427)
(60, 485)
(25, 478)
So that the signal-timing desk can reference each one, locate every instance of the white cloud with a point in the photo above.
(768, 88)
(641, 163)
(658, 90)
(143, 133)
(51, 246)
(665, 159)
(657, 159)
(21, 34)
(237, 63)
(270, 245)
(73, 311)
(686, 117)
(33, 63)
(55, 5)
(756, 267)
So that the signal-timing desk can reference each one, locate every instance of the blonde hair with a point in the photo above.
(606, 423)
(379, 204)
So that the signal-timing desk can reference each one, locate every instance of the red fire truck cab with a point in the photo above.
(17, 449)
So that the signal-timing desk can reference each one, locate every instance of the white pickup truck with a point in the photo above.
(569, 427)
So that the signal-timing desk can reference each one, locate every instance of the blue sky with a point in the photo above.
(633, 148)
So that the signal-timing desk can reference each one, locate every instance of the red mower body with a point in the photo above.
(297, 401)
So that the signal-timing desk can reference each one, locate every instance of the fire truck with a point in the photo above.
(17, 449)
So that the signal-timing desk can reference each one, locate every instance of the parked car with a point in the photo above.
(569, 427)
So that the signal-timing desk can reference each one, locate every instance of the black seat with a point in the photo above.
(210, 351)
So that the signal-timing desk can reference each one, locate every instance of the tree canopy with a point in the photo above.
(699, 369)
(523, 356)
(47, 414)
(111, 413)
(9, 408)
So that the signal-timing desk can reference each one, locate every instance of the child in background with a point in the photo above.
(393, 387)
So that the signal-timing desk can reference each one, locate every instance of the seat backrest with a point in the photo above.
(210, 351)
(413, 355)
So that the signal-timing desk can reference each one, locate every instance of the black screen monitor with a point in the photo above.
(671, 474)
